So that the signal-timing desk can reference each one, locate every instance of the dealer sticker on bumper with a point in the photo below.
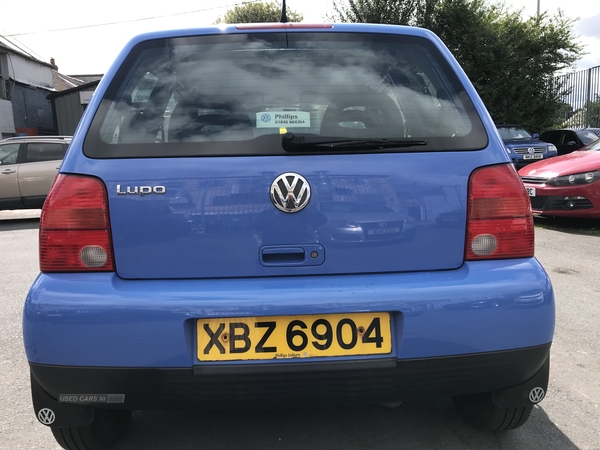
(91, 398)
(283, 337)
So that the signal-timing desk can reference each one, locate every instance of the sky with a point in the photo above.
(86, 44)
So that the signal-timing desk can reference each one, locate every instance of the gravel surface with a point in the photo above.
(569, 418)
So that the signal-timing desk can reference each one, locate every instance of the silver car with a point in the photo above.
(29, 165)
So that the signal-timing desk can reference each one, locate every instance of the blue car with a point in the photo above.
(524, 148)
(285, 214)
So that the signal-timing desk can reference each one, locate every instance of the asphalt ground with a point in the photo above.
(568, 419)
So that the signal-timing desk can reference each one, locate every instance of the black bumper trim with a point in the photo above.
(344, 382)
(297, 367)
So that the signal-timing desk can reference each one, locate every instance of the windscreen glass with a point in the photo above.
(587, 137)
(238, 94)
(508, 133)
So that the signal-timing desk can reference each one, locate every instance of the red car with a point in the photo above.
(566, 185)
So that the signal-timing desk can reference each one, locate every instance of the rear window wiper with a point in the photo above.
(297, 143)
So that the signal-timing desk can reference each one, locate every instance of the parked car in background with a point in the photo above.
(522, 147)
(569, 140)
(360, 222)
(28, 167)
(275, 240)
(568, 185)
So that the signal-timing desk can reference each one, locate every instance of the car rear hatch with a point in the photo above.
(214, 217)
(268, 154)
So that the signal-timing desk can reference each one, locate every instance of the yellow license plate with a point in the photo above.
(286, 337)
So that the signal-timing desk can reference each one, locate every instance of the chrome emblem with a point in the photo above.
(140, 190)
(46, 416)
(290, 192)
(536, 395)
(531, 150)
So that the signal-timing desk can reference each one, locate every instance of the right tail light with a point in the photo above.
(499, 218)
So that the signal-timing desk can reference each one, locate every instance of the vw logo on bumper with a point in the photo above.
(536, 395)
(290, 192)
(46, 416)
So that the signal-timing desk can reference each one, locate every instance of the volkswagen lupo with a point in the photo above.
(256, 214)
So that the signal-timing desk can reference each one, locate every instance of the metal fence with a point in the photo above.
(582, 98)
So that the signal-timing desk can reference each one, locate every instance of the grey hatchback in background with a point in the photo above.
(29, 165)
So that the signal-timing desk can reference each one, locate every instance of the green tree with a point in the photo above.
(565, 113)
(593, 113)
(398, 12)
(510, 60)
(258, 12)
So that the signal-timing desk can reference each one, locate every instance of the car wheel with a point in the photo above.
(479, 411)
(108, 426)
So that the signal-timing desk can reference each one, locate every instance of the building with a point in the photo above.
(68, 105)
(25, 83)
(36, 99)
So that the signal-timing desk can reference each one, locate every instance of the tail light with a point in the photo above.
(499, 220)
(75, 227)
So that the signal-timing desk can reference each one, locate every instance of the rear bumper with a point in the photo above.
(99, 320)
(96, 341)
(288, 384)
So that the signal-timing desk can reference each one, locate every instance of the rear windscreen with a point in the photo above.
(240, 94)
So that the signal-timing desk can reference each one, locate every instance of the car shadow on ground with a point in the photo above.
(19, 224)
(413, 425)
(573, 225)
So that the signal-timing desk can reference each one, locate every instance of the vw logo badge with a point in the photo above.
(531, 150)
(290, 192)
(46, 416)
(536, 395)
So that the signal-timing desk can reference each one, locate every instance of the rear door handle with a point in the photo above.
(8, 171)
(285, 256)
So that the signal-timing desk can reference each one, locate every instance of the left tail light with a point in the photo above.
(75, 227)
(500, 223)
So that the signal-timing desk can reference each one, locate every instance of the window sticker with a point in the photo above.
(272, 119)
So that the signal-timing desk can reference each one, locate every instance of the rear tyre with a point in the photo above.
(479, 411)
(108, 426)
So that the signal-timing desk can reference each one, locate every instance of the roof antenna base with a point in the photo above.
(283, 13)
